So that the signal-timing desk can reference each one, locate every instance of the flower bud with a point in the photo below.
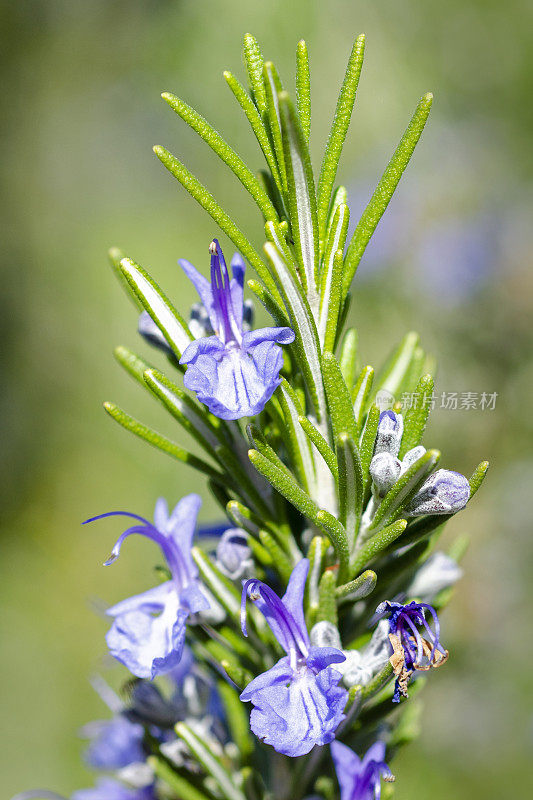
(199, 322)
(233, 554)
(151, 333)
(437, 573)
(385, 470)
(445, 492)
(389, 436)
(411, 456)
(325, 634)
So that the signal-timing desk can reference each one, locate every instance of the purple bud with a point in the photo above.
(151, 333)
(233, 554)
(389, 436)
(445, 492)
(385, 470)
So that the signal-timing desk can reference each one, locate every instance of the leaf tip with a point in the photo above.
(115, 254)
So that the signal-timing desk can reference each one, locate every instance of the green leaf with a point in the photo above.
(286, 485)
(273, 87)
(339, 129)
(254, 64)
(209, 204)
(241, 478)
(360, 396)
(321, 445)
(306, 345)
(297, 443)
(115, 257)
(283, 563)
(378, 682)
(350, 487)
(132, 363)
(161, 442)
(237, 718)
(348, 357)
(377, 544)
(239, 676)
(358, 588)
(337, 536)
(385, 189)
(301, 198)
(331, 279)
(210, 762)
(168, 320)
(223, 150)
(188, 413)
(165, 772)
(477, 477)
(397, 366)
(403, 490)
(222, 588)
(339, 400)
(303, 88)
(368, 440)
(327, 604)
(256, 123)
(316, 552)
(264, 297)
(416, 417)
(340, 197)
(415, 371)
(258, 441)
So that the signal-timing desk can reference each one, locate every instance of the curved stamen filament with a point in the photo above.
(170, 550)
(416, 636)
(293, 642)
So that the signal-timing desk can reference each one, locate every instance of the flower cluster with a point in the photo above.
(288, 628)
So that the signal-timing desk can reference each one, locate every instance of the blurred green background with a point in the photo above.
(80, 112)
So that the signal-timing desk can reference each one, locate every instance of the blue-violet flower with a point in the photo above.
(115, 743)
(411, 650)
(233, 372)
(297, 703)
(148, 632)
(389, 434)
(444, 492)
(360, 778)
(109, 789)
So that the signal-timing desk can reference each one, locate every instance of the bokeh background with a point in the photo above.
(80, 112)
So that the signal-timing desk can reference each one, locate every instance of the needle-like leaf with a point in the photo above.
(385, 189)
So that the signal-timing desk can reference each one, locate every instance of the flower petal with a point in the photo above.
(151, 601)
(293, 599)
(149, 645)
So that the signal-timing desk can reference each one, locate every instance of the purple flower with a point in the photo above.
(148, 632)
(233, 556)
(297, 703)
(444, 492)
(390, 432)
(116, 743)
(109, 789)
(233, 372)
(360, 778)
(411, 650)
(149, 330)
(385, 470)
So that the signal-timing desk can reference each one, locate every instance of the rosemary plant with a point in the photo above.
(276, 656)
